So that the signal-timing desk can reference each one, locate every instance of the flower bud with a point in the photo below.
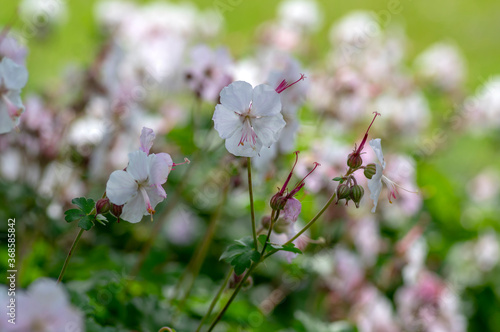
(102, 206)
(357, 193)
(343, 191)
(116, 210)
(354, 160)
(278, 202)
(266, 221)
(370, 170)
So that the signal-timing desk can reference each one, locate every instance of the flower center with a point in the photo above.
(247, 133)
(147, 201)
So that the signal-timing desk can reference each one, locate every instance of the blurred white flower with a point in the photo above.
(39, 13)
(43, 307)
(300, 14)
(13, 78)
(442, 65)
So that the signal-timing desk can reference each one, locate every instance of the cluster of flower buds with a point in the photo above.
(349, 189)
(104, 206)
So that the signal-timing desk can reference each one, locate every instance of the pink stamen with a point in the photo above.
(145, 196)
(248, 134)
(14, 112)
(186, 161)
(285, 85)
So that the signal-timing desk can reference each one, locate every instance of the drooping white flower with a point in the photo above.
(13, 78)
(139, 187)
(375, 183)
(248, 118)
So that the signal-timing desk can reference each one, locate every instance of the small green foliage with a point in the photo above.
(241, 254)
(85, 204)
(85, 214)
(338, 178)
(288, 247)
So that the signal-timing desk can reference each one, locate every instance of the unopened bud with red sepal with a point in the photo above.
(116, 210)
(354, 160)
(102, 206)
(343, 192)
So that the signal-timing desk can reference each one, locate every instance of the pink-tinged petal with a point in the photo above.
(138, 165)
(292, 210)
(134, 210)
(226, 122)
(14, 76)
(265, 101)
(160, 166)
(246, 150)
(268, 128)
(375, 186)
(377, 148)
(121, 187)
(147, 138)
(156, 195)
(6, 123)
(237, 96)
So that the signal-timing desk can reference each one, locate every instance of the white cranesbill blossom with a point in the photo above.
(248, 118)
(13, 78)
(139, 186)
(45, 307)
(375, 183)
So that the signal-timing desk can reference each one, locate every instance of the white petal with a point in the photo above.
(237, 96)
(226, 122)
(247, 150)
(147, 138)
(6, 123)
(265, 101)
(268, 128)
(134, 210)
(375, 186)
(121, 187)
(377, 148)
(160, 166)
(292, 210)
(14, 76)
(156, 195)
(138, 165)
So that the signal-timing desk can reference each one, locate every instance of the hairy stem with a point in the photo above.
(250, 192)
(70, 253)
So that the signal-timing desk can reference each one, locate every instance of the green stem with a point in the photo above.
(233, 296)
(309, 224)
(250, 192)
(214, 301)
(254, 265)
(75, 242)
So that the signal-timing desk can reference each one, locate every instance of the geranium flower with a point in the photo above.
(13, 78)
(248, 118)
(375, 183)
(139, 186)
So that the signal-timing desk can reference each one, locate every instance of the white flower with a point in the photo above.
(138, 187)
(45, 307)
(248, 118)
(375, 183)
(13, 78)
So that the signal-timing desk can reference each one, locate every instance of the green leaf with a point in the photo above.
(338, 178)
(241, 254)
(85, 204)
(86, 222)
(73, 215)
(291, 248)
(262, 239)
(244, 261)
